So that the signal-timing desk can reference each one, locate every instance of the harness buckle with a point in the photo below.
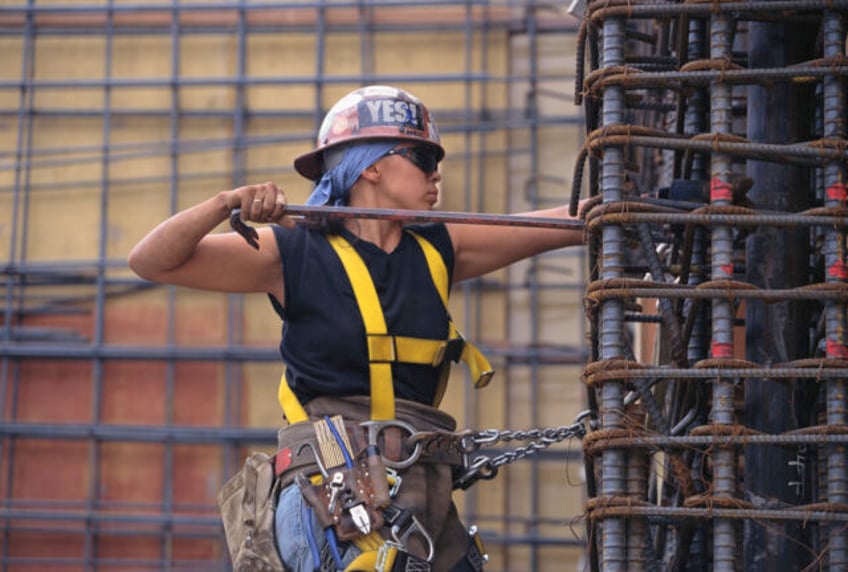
(382, 348)
(450, 350)
(391, 557)
(385, 555)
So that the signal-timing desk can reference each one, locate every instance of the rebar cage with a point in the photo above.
(716, 156)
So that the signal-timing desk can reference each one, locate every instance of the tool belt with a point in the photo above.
(418, 434)
(420, 448)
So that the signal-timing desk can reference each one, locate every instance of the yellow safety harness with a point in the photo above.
(385, 348)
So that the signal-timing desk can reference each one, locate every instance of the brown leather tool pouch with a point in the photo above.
(357, 490)
(247, 502)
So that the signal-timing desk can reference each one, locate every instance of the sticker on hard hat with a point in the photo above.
(390, 112)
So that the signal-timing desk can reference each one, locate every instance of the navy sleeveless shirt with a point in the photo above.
(323, 337)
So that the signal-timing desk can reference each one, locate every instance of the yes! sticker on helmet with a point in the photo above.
(390, 112)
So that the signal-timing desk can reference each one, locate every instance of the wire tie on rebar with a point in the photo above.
(595, 368)
(622, 212)
(825, 507)
(724, 363)
(828, 62)
(838, 288)
(715, 429)
(710, 501)
(602, 439)
(829, 506)
(617, 505)
(839, 146)
(808, 363)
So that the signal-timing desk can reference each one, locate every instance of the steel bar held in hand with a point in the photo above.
(409, 216)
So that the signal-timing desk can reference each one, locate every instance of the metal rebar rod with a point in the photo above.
(415, 216)
(821, 439)
(614, 556)
(834, 30)
(733, 514)
(722, 28)
(696, 329)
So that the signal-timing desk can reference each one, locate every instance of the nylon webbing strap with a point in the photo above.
(382, 390)
(479, 367)
(369, 546)
(292, 409)
(438, 270)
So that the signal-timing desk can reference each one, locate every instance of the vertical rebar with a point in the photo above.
(834, 31)
(167, 541)
(532, 113)
(637, 484)
(233, 369)
(695, 121)
(723, 406)
(697, 104)
(17, 227)
(472, 305)
(611, 333)
(92, 530)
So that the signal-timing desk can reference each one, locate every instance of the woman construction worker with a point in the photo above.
(366, 339)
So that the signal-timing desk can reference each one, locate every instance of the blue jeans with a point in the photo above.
(297, 528)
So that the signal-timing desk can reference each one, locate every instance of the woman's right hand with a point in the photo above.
(264, 202)
(184, 250)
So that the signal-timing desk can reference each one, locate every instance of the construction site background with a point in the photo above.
(126, 406)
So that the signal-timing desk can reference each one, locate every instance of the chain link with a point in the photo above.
(485, 467)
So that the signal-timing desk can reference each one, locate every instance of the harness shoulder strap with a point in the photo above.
(380, 371)
(479, 367)
(436, 264)
(382, 389)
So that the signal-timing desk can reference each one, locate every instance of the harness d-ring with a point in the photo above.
(377, 427)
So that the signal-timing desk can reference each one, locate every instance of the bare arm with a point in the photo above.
(481, 249)
(181, 250)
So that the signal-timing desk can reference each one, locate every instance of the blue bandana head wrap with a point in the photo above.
(335, 185)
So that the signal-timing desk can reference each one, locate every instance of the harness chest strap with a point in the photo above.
(385, 349)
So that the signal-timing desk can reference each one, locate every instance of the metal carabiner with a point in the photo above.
(376, 427)
(403, 524)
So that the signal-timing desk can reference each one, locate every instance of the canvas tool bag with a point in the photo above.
(247, 502)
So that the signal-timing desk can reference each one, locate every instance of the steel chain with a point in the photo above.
(485, 467)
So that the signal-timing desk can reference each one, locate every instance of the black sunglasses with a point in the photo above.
(422, 157)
